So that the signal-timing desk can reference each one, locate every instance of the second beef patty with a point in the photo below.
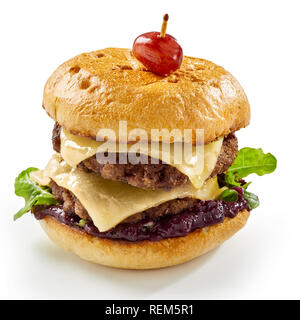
(150, 176)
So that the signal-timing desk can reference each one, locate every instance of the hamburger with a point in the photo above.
(154, 212)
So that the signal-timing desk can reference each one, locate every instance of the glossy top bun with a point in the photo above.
(98, 89)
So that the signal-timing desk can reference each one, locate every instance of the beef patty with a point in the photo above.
(153, 176)
(72, 205)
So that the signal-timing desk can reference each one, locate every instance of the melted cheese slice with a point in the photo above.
(110, 202)
(197, 163)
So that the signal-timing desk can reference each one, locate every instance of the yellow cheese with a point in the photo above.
(110, 202)
(39, 177)
(196, 164)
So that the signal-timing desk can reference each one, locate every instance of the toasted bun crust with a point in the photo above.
(144, 254)
(98, 89)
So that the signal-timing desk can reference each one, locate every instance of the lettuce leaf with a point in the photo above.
(253, 200)
(32, 193)
(229, 195)
(248, 161)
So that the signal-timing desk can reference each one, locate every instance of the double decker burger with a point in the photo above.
(121, 199)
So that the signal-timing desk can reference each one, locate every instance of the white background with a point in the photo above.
(257, 41)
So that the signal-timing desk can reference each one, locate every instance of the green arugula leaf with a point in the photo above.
(253, 200)
(32, 193)
(229, 195)
(248, 161)
(82, 222)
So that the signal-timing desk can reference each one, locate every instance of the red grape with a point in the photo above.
(159, 55)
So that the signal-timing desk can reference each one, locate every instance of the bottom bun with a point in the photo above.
(142, 254)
